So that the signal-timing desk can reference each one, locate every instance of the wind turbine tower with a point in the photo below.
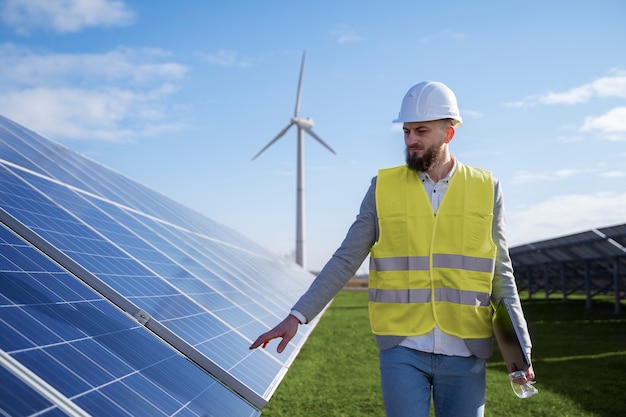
(303, 125)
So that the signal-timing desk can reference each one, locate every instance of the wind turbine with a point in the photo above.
(306, 125)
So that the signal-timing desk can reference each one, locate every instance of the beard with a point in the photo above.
(425, 162)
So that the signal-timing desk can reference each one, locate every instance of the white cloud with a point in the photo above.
(103, 114)
(112, 96)
(570, 139)
(573, 96)
(23, 67)
(344, 34)
(613, 85)
(64, 15)
(442, 35)
(609, 126)
(520, 104)
(613, 174)
(226, 58)
(610, 86)
(565, 215)
(610, 123)
(526, 177)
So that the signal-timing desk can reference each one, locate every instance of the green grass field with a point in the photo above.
(579, 357)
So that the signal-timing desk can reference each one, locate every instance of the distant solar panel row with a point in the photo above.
(81, 246)
(601, 243)
(590, 263)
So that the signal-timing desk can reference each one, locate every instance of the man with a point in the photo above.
(436, 265)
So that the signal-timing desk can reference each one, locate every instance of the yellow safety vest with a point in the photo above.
(430, 269)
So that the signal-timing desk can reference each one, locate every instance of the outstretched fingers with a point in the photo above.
(286, 330)
(264, 339)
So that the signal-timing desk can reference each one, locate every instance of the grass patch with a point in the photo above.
(579, 358)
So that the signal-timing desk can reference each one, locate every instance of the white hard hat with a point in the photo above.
(429, 100)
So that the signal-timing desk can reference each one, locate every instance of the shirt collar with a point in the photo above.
(424, 175)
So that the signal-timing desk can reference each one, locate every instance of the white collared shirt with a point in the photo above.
(437, 341)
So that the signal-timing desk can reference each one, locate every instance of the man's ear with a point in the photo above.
(450, 134)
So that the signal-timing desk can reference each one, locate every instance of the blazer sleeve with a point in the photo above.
(345, 261)
(504, 284)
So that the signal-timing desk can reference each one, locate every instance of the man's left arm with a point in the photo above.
(504, 285)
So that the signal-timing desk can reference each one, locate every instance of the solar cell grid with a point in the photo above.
(90, 351)
(24, 148)
(78, 240)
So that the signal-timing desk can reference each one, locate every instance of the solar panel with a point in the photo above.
(77, 346)
(589, 245)
(194, 287)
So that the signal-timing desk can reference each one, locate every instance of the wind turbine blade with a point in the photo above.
(282, 132)
(310, 132)
(297, 110)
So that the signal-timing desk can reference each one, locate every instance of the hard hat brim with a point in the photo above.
(458, 123)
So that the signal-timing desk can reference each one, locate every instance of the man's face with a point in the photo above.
(424, 143)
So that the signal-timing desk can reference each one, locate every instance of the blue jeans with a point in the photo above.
(409, 378)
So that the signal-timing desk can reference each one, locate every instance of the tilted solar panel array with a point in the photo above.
(117, 300)
(599, 243)
(592, 263)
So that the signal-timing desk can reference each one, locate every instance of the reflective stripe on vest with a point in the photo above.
(441, 273)
(451, 295)
(417, 263)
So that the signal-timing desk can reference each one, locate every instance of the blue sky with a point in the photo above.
(181, 95)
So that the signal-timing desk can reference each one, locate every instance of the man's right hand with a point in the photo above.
(286, 330)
